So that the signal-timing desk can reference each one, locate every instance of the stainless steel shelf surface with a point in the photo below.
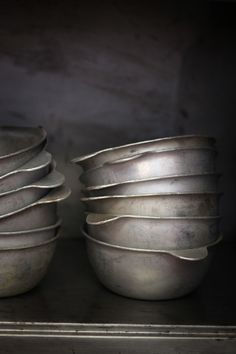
(71, 312)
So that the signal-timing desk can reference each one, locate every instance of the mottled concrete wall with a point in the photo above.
(109, 73)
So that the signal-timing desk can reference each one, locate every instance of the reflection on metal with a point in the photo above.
(152, 164)
(169, 184)
(161, 205)
(119, 152)
(102, 330)
(149, 274)
(153, 232)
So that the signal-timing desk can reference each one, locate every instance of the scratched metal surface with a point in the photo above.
(99, 75)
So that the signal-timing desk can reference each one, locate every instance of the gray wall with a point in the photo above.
(108, 73)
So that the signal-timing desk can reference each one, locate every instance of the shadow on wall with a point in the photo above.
(207, 97)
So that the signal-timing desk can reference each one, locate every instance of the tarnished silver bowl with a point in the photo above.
(18, 145)
(162, 205)
(169, 184)
(20, 198)
(32, 171)
(172, 233)
(170, 143)
(22, 268)
(39, 214)
(148, 274)
(150, 165)
(28, 238)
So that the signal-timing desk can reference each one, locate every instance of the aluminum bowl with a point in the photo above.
(40, 214)
(170, 143)
(153, 232)
(18, 145)
(22, 268)
(152, 164)
(20, 198)
(148, 274)
(35, 169)
(28, 238)
(162, 205)
(174, 184)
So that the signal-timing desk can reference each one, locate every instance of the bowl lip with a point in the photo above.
(40, 244)
(151, 179)
(148, 195)
(130, 158)
(55, 175)
(23, 169)
(111, 218)
(42, 137)
(181, 254)
(32, 231)
(138, 143)
(54, 196)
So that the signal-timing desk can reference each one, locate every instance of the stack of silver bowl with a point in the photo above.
(152, 215)
(30, 188)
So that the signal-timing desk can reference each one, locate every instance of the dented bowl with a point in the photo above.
(152, 165)
(170, 143)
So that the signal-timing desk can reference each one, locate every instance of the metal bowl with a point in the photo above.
(153, 232)
(28, 238)
(35, 169)
(162, 205)
(185, 141)
(18, 145)
(152, 164)
(23, 268)
(20, 198)
(40, 214)
(174, 184)
(148, 274)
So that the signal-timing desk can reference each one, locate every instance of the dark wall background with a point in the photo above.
(106, 73)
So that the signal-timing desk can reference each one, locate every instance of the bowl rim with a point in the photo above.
(148, 195)
(129, 158)
(22, 168)
(151, 179)
(112, 218)
(52, 180)
(54, 196)
(42, 137)
(195, 254)
(138, 143)
(31, 231)
(40, 244)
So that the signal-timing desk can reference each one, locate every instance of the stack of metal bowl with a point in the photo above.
(152, 215)
(30, 188)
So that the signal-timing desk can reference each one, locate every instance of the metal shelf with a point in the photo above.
(71, 312)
